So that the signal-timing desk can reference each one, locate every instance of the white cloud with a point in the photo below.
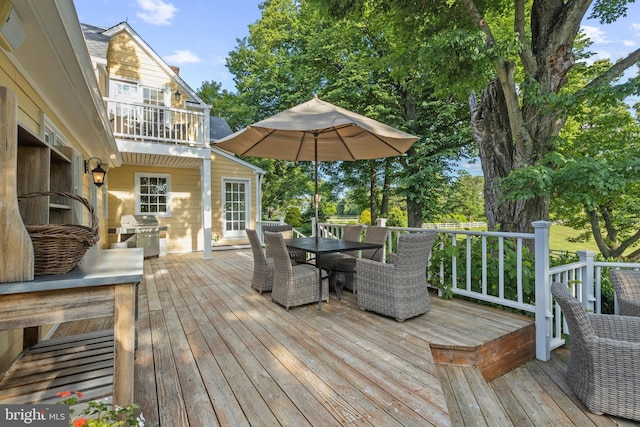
(629, 43)
(635, 26)
(181, 57)
(595, 34)
(156, 12)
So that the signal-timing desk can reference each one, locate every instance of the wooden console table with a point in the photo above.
(104, 284)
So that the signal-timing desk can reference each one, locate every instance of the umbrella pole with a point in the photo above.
(316, 198)
(316, 202)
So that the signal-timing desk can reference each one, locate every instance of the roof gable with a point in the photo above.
(98, 42)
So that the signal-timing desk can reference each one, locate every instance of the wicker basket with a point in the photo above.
(58, 248)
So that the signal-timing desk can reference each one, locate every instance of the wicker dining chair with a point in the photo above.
(397, 288)
(604, 359)
(262, 266)
(627, 286)
(297, 255)
(293, 285)
(372, 234)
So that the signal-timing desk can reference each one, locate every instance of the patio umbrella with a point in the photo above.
(318, 131)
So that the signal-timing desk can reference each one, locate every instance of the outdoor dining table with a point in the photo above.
(322, 245)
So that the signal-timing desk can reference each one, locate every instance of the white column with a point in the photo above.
(205, 177)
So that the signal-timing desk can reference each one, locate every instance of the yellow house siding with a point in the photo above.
(128, 60)
(123, 57)
(184, 225)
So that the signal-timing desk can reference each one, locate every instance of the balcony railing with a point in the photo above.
(157, 123)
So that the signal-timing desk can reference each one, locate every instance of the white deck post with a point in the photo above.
(588, 283)
(543, 290)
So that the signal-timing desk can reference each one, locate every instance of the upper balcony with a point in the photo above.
(153, 123)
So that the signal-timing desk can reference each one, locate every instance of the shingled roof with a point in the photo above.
(97, 41)
(218, 128)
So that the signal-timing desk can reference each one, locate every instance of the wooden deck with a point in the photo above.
(211, 351)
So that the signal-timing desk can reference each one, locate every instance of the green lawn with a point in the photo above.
(558, 240)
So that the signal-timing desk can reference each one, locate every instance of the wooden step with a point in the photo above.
(493, 358)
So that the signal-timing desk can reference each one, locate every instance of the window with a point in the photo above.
(152, 96)
(126, 91)
(153, 194)
(50, 133)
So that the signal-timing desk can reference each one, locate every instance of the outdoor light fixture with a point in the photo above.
(177, 95)
(98, 173)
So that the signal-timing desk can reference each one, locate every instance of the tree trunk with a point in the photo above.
(373, 195)
(513, 133)
(414, 213)
(386, 190)
(492, 133)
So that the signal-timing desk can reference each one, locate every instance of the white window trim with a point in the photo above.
(47, 127)
(138, 175)
(141, 84)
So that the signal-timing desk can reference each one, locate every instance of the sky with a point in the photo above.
(197, 35)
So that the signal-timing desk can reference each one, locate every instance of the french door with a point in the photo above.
(236, 207)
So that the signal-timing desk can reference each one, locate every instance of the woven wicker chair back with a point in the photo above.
(579, 326)
(286, 231)
(256, 247)
(627, 286)
(278, 250)
(375, 235)
(352, 233)
(413, 252)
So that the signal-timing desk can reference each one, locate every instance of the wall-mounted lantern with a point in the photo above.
(98, 173)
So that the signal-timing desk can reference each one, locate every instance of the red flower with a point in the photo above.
(79, 394)
(63, 393)
(79, 422)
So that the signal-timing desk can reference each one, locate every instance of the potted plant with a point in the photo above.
(214, 239)
(101, 414)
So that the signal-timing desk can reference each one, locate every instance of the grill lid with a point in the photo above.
(130, 221)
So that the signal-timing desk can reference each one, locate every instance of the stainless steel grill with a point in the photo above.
(141, 231)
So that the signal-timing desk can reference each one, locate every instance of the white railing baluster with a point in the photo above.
(158, 123)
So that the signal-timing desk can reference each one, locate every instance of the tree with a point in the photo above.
(285, 184)
(464, 198)
(597, 181)
(295, 50)
(225, 104)
(521, 52)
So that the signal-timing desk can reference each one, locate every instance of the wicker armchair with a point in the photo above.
(286, 230)
(262, 266)
(627, 286)
(292, 284)
(605, 355)
(398, 288)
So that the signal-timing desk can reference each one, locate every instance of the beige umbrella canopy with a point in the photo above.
(318, 131)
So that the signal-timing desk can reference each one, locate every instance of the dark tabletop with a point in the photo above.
(324, 245)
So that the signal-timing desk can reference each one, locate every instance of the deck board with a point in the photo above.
(212, 351)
